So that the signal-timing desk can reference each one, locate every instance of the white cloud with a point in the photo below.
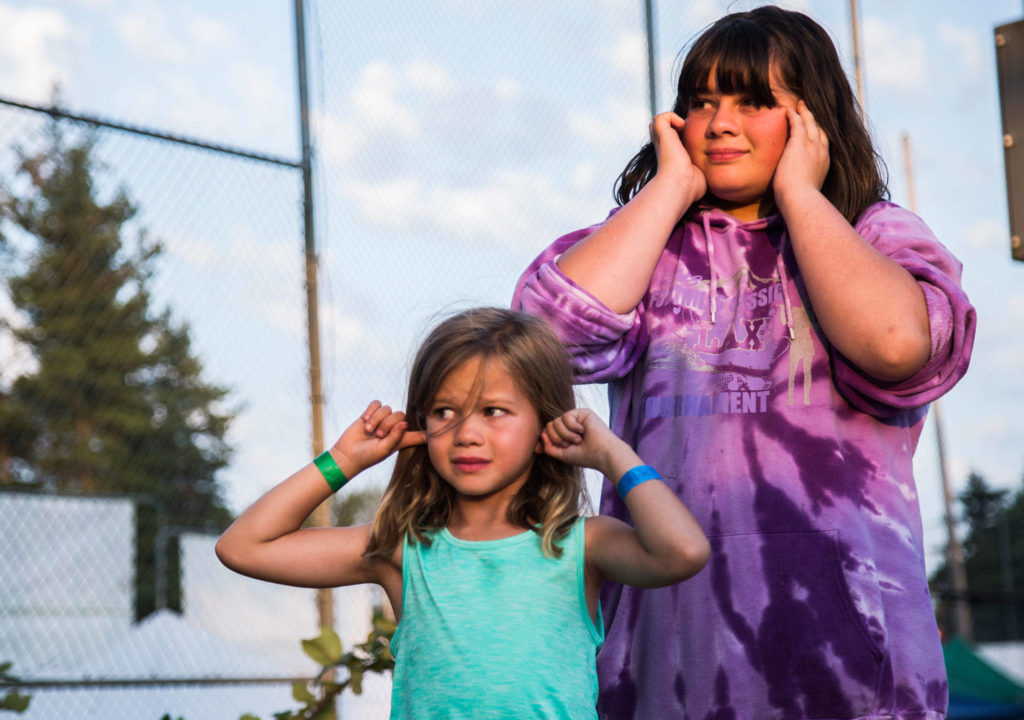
(35, 46)
(337, 140)
(429, 77)
(509, 206)
(508, 89)
(986, 234)
(893, 57)
(147, 32)
(628, 56)
(256, 86)
(972, 56)
(623, 122)
(206, 30)
(701, 13)
(375, 100)
(583, 176)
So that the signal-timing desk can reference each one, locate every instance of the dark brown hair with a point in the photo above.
(742, 49)
(418, 501)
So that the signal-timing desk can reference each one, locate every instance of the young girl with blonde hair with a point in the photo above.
(480, 543)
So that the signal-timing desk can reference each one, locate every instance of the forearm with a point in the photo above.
(674, 545)
(282, 510)
(615, 263)
(673, 540)
(869, 307)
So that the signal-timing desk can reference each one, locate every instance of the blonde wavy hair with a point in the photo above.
(418, 501)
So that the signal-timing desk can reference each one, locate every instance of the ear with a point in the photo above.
(538, 449)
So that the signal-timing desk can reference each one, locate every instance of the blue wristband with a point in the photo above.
(639, 474)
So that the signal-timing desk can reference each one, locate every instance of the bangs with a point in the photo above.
(740, 55)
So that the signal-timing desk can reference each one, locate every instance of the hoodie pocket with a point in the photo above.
(791, 633)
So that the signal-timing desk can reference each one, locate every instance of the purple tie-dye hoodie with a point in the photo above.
(798, 466)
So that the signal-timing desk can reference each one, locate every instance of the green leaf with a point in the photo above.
(249, 716)
(355, 682)
(384, 626)
(15, 701)
(325, 649)
(300, 691)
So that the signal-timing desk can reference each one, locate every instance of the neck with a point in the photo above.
(474, 520)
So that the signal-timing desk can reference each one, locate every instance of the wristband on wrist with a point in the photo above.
(632, 478)
(329, 469)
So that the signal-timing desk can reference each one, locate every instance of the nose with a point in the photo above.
(723, 122)
(467, 432)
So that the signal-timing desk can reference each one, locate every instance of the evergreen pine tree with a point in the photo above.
(993, 560)
(117, 404)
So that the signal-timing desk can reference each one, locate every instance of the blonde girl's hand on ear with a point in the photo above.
(581, 438)
(674, 163)
(268, 541)
(805, 160)
(376, 433)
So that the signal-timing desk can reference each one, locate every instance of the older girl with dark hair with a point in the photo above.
(771, 330)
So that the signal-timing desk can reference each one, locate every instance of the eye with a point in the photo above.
(752, 102)
(441, 413)
(493, 411)
(698, 103)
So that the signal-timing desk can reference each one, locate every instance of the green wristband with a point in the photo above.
(329, 469)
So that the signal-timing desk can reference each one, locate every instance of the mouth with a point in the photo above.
(725, 154)
(470, 464)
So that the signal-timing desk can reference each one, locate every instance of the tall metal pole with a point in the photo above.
(322, 515)
(857, 72)
(954, 551)
(652, 91)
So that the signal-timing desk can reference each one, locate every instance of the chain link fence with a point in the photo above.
(111, 606)
(452, 145)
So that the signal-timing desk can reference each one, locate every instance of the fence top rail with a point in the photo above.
(70, 683)
(56, 112)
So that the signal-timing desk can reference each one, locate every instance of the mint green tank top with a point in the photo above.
(495, 630)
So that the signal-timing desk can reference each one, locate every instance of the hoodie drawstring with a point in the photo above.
(709, 248)
(780, 266)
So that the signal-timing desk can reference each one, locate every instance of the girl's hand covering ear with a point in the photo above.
(673, 160)
(377, 433)
(805, 160)
(580, 437)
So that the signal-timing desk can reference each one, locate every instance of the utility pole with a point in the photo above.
(652, 91)
(322, 515)
(954, 551)
(857, 72)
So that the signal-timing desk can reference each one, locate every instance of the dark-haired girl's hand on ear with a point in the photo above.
(805, 159)
(870, 308)
(674, 164)
(375, 434)
(615, 263)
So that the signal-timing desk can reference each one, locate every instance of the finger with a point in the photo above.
(376, 417)
(575, 421)
(566, 433)
(388, 423)
(796, 123)
(409, 439)
(370, 409)
(554, 435)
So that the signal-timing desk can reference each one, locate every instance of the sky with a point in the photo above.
(454, 140)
